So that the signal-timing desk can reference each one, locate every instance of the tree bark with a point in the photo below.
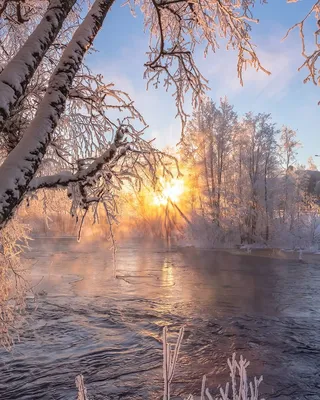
(23, 162)
(18, 72)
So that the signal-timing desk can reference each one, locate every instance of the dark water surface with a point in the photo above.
(108, 329)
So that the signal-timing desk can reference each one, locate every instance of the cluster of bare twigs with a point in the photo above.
(17, 11)
(13, 285)
(177, 27)
(128, 159)
(311, 59)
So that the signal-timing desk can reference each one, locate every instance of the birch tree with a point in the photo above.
(224, 134)
(288, 145)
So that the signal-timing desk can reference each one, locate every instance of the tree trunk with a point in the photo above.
(212, 174)
(17, 74)
(254, 218)
(210, 194)
(220, 171)
(266, 198)
(23, 162)
(240, 193)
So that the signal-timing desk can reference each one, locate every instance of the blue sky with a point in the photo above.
(122, 44)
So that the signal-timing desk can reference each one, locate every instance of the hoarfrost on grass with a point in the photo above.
(240, 388)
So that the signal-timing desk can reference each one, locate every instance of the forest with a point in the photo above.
(233, 180)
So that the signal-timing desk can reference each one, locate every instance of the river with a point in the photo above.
(109, 329)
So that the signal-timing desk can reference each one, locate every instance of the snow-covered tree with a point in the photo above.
(175, 29)
(311, 164)
(264, 197)
(208, 139)
(288, 147)
(259, 163)
(44, 83)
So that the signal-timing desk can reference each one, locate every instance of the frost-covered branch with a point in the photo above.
(17, 74)
(99, 180)
(177, 27)
(311, 60)
(13, 286)
(23, 162)
(63, 179)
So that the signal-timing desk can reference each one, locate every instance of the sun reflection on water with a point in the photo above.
(167, 273)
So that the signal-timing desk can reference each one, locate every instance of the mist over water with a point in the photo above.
(109, 329)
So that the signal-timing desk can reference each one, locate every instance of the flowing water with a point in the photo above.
(109, 329)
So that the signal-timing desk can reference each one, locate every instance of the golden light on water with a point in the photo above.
(170, 190)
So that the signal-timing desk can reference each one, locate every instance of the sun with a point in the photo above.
(170, 191)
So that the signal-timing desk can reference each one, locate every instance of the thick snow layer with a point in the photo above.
(15, 77)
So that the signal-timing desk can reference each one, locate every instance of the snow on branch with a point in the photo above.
(23, 162)
(63, 179)
(18, 72)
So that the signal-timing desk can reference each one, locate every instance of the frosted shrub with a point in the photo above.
(13, 287)
(170, 358)
(238, 389)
